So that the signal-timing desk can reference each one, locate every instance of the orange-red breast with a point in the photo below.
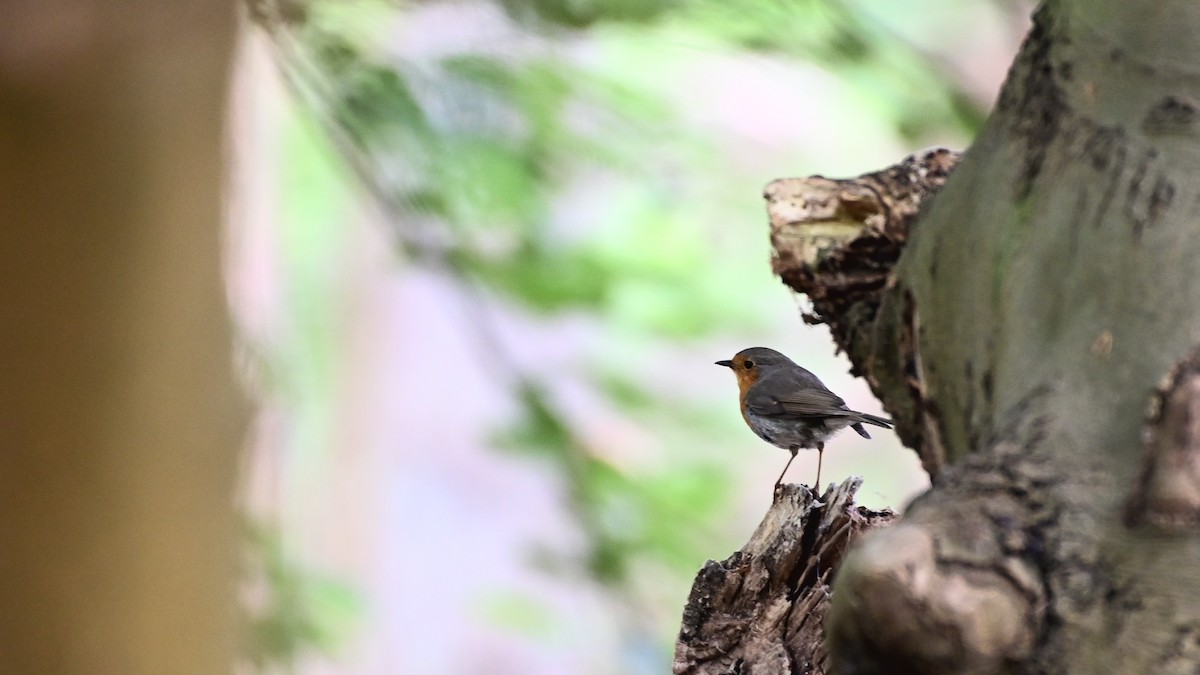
(788, 407)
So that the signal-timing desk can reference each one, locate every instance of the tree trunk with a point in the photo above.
(1038, 342)
(119, 417)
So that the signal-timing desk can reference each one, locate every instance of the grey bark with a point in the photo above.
(1038, 341)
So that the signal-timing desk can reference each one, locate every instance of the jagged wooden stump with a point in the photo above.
(762, 609)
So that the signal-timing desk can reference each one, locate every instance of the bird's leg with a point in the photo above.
(820, 455)
(785, 467)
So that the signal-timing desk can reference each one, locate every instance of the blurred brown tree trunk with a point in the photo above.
(119, 418)
(1036, 336)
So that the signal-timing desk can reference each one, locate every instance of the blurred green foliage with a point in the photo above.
(291, 610)
(472, 152)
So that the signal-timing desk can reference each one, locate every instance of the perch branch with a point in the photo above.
(761, 610)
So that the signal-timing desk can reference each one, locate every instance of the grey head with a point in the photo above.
(761, 364)
(757, 359)
(762, 356)
(748, 359)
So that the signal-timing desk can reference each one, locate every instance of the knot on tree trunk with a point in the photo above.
(762, 609)
(1168, 493)
(957, 618)
(958, 586)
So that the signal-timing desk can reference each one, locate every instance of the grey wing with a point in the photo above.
(806, 403)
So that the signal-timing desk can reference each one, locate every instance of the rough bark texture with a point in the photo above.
(1044, 301)
(762, 609)
(119, 415)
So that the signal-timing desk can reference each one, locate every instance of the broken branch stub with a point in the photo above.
(762, 609)
(836, 241)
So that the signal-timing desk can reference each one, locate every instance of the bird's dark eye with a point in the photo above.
(749, 364)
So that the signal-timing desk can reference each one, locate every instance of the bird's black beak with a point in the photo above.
(726, 363)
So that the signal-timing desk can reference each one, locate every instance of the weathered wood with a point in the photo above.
(762, 609)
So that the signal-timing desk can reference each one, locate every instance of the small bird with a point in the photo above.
(788, 407)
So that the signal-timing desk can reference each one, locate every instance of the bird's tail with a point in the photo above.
(869, 419)
(876, 420)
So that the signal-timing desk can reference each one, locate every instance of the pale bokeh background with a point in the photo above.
(421, 547)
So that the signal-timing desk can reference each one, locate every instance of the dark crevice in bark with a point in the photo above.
(1033, 95)
(1174, 115)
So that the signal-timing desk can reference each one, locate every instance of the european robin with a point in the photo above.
(788, 407)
